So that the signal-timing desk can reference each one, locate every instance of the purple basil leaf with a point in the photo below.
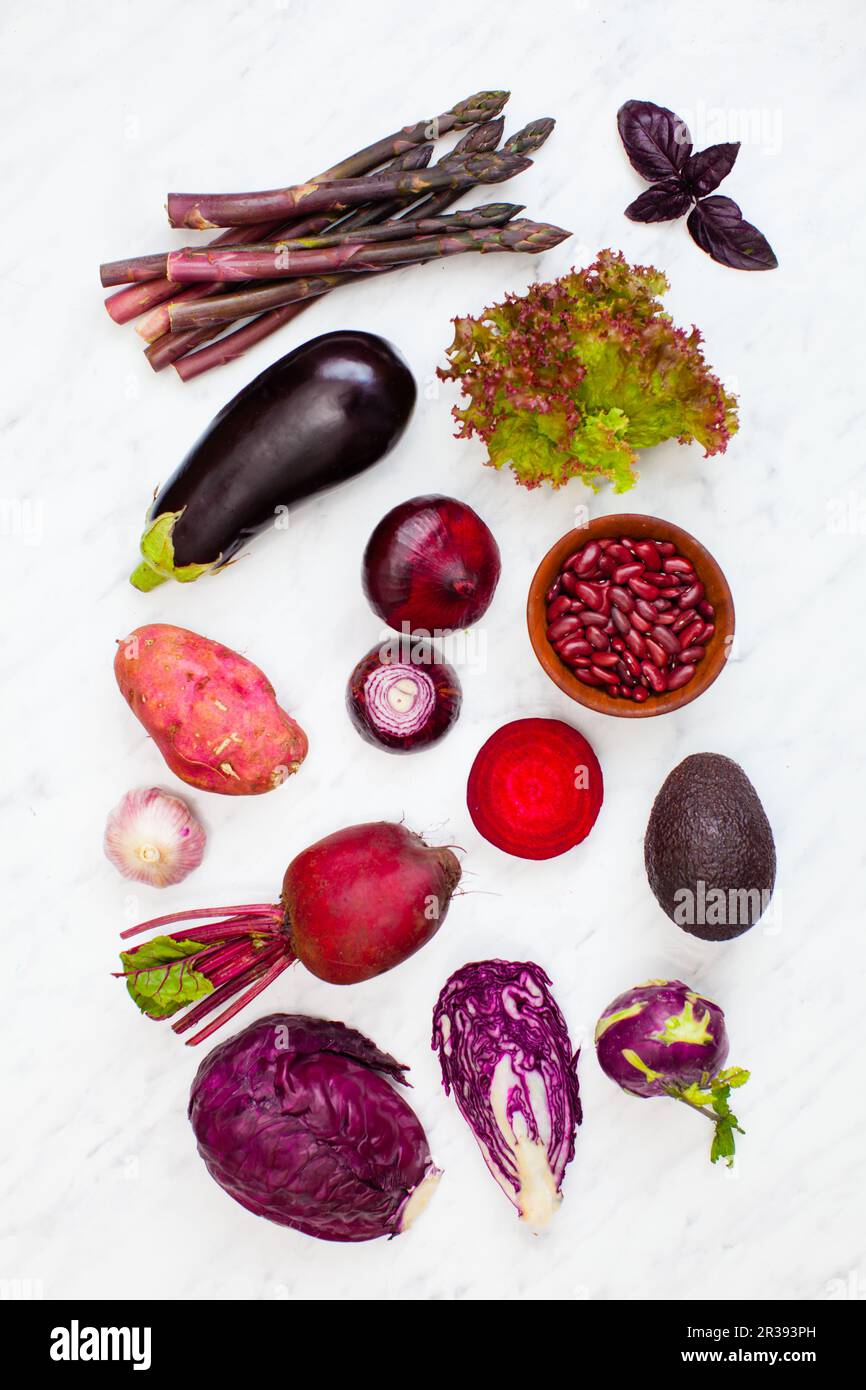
(656, 141)
(661, 203)
(718, 227)
(703, 172)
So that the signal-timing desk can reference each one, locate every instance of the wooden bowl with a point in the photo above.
(638, 528)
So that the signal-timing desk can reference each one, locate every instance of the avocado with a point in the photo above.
(709, 852)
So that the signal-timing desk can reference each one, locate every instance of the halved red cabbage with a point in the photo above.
(296, 1120)
(505, 1053)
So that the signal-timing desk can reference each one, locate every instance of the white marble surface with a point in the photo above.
(112, 104)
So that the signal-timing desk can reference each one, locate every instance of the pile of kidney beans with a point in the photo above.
(629, 616)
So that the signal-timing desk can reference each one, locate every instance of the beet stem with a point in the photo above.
(261, 976)
(272, 910)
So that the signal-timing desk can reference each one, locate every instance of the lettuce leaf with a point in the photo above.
(574, 377)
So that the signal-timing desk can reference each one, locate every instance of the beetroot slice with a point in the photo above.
(535, 788)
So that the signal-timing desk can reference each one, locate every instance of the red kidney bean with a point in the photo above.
(647, 551)
(620, 621)
(708, 632)
(689, 656)
(552, 592)
(685, 618)
(665, 581)
(590, 619)
(574, 646)
(590, 593)
(640, 693)
(586, 677)
(620, 553)
(564, 627)
(609, 628)
(667, 619)
(617, 643)
(607, 676)
(605, 660)
(689, 597)
(627, 542)
(558, 607)
(606, 566)
(666, 639)
(658, 654)
(642, 588)
(638, 621)
(603, 605)
(631, 665)
(666, 548)
(679, 677)
(706, 610)
(646, 610)
(688, 634)
(655, 679)
(597, 639)
(621, 598)
(623, 573)
(675, 564)
(636, 644)
(569, 583)
(662, 605)
(588, 558)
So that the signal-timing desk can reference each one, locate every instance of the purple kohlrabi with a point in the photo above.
(664, 1039)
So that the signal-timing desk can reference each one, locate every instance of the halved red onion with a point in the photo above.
(402, 705)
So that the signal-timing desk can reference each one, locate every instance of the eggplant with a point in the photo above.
(325, 412)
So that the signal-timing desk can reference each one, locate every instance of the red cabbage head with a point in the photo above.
(298, 1120)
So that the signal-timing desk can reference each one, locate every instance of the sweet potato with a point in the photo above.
(212, 714)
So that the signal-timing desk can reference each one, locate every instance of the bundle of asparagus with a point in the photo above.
(382, 208)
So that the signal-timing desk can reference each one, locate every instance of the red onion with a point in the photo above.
(431, 565)
(402, 705)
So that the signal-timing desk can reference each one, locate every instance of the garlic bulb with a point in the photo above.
(154, 838)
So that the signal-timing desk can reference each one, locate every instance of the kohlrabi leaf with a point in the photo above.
(712, 1097)
(656, 141)
(719, 228)
(160, 977)
(704, 171)
(661, 203)
(724, 1144)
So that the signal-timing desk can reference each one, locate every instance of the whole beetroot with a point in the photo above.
(212, 714)
(353, 905)
(362, 900)
(298, 1120)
